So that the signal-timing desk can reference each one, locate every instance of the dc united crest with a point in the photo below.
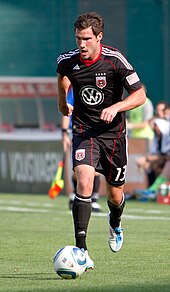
(101, 80)
(80, 154)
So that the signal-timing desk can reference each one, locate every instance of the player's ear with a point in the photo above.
(99, 36)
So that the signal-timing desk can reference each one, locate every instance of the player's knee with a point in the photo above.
(115, 194)
(85, 185)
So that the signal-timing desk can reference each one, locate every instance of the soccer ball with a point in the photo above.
(69, 262)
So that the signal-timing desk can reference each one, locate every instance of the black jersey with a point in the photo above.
(96, 85)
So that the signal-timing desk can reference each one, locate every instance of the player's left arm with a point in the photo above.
(134, 100)
(131, 82)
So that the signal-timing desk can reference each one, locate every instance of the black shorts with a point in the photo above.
(107, 156)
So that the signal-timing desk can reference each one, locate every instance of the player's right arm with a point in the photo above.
(63, 86)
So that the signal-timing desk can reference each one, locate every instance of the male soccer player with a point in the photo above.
(98, 74)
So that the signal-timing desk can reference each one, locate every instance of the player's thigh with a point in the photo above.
(85, 151)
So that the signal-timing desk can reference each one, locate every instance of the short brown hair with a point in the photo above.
(91, 19)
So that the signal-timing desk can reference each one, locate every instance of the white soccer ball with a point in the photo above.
(69, 262)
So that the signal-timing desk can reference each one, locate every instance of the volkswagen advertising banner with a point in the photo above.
(28, 165)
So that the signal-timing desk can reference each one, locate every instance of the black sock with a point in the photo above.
(81, 215)
(116, 213)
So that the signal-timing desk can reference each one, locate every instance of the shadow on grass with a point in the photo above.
(35, 276)
(75, 287)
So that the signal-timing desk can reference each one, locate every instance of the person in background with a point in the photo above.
(98, 74)
(153, 161)
(139, 126)
(71, 181)
(159, 110)
(138, 122)
(159, 162)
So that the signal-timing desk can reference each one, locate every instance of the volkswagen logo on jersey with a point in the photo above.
(90, 95)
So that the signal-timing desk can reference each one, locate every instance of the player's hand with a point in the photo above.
(66, 109)
(109, 113)
(70, 109)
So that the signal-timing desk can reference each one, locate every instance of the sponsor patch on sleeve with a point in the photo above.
(132, 78)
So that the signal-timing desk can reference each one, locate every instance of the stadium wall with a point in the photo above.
(29, 161)
(33, 33)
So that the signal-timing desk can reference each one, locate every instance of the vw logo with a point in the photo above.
(90, 95)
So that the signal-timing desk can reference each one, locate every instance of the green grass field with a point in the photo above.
(33, 228)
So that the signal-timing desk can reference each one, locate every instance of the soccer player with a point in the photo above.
(98, 74)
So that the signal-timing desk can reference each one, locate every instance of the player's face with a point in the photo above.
(88, 43)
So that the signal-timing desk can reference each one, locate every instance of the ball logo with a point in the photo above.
(92, 96)
(79, 256)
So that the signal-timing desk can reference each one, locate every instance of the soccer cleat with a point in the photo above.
(116, 238)
(89, 262)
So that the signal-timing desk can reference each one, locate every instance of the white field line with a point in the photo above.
(50, 205)
(20, 209)
(21, 203)
(42, 209)
(135, 217)
(138, 210)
